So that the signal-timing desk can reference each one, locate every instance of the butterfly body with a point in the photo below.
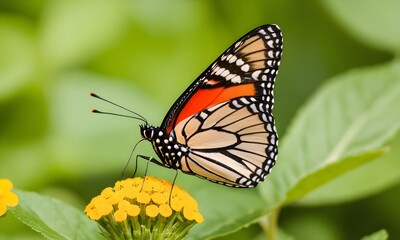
(165, 145)
(222, 128)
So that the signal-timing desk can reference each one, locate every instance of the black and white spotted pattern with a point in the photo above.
(244, 62)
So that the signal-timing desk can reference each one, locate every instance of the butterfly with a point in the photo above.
(221, 128)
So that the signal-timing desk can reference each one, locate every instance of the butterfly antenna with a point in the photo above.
(136, 115)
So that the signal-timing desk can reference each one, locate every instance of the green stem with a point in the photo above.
(269, 223)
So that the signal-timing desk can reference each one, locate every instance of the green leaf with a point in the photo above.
(375, 23)
(53, 218)
(380, 235)
(352, 185)
(225, 210)
(353, 114)
(329, 172)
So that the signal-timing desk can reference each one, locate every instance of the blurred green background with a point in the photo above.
(143, 54)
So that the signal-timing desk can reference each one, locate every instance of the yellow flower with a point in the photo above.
(165, 210)
(152, 211)
(137, 208)
(7, 198)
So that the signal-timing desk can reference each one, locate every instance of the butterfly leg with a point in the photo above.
(152, 160)
(149, 160)
(129, 160)
(172, 187)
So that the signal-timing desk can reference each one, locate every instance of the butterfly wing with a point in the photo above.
(233, 143)
(224, 118)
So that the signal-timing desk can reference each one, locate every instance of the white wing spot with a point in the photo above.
(255, 74)
(245, 68)
(238, 44)
(220, 70)
(272, 155)
(245, 101)
(239, 62)
(225, 73)
(233, 59)
(183, 149)
(271, 148)
(230, 76)
(273, 139)
(264, 77)
(236, 79)
(242, 180)
(254, 108)
(264, 117)
(236, 104)
(270, 43)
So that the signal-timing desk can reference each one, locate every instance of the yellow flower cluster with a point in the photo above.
(7, 198)
(136, 202)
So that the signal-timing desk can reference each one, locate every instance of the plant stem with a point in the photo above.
(269, 224)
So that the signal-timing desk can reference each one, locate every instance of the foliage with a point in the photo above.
(338, 150)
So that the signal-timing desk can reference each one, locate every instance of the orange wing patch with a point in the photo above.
(206, 98)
